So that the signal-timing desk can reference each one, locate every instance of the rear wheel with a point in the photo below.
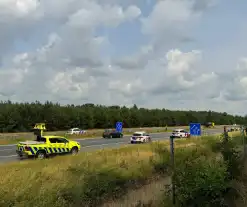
(41, 155)
(74, 151)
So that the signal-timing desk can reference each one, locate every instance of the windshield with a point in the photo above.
(137, 134)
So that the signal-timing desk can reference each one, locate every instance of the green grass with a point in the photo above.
(88, 178)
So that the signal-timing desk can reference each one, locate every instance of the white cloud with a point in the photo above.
(67, 55)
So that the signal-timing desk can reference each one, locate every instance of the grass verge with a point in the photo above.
(90, 178)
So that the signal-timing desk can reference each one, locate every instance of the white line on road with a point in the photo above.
(6, 156)
(6, 150)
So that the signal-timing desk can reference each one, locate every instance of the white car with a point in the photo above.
(76, 131)
(140, 137)
(180, 133)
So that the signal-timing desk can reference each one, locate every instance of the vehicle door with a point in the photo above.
(182, 133)
(147, 136)
(115, 134)
(77, 131)
(63, 145)
(53, 146)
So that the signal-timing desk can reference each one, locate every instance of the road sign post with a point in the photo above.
(195, 129)
(119, 126)
(173, 169)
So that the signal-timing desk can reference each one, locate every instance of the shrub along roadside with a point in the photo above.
(90, 178)
(203, 180)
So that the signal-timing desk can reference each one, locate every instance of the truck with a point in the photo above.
(45, 146)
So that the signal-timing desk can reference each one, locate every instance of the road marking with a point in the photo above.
(6, 149)
(97, 145)
(6, 156)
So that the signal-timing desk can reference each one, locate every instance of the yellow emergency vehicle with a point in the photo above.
(45, 146)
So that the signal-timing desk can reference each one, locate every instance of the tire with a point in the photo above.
(74, 151)
(41, 155)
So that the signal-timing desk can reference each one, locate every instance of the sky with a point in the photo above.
(173, 54)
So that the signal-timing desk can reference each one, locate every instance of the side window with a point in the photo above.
(62, 140)
(53, 140)
(42, 139)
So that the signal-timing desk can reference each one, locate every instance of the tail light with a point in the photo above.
(27, 148)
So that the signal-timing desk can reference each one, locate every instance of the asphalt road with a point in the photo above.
(7, 152)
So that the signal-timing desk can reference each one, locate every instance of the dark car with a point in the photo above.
(109, 133)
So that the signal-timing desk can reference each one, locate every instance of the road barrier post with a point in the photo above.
(173, 169)
(244, 148)
(225, 135)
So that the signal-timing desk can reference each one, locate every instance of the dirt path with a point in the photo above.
(150, 193)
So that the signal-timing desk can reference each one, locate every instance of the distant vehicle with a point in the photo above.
(75, 131)
(234, 127)
(140, 137)
(209, 124)
(46, 146)
(112, 133)
(180, 133)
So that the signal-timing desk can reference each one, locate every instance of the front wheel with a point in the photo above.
(40, 155)
(74, 151)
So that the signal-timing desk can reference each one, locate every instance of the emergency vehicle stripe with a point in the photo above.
(46, 150)
(32, 151)
(36, 149)
(55, 150)
(67, 149)
(50, 150)
(59, 149)
(63, 149)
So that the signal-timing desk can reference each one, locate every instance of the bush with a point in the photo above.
(201, 182)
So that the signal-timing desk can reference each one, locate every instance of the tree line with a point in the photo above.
(20, 117)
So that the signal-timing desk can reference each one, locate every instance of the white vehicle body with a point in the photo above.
(76, 131)
(180, 133)
(140, 137)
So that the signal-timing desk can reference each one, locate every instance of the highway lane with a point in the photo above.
(7, 152)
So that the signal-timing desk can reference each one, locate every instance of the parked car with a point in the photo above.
(140, 137)
(111, 133)
(180, 133)
(75, 131)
